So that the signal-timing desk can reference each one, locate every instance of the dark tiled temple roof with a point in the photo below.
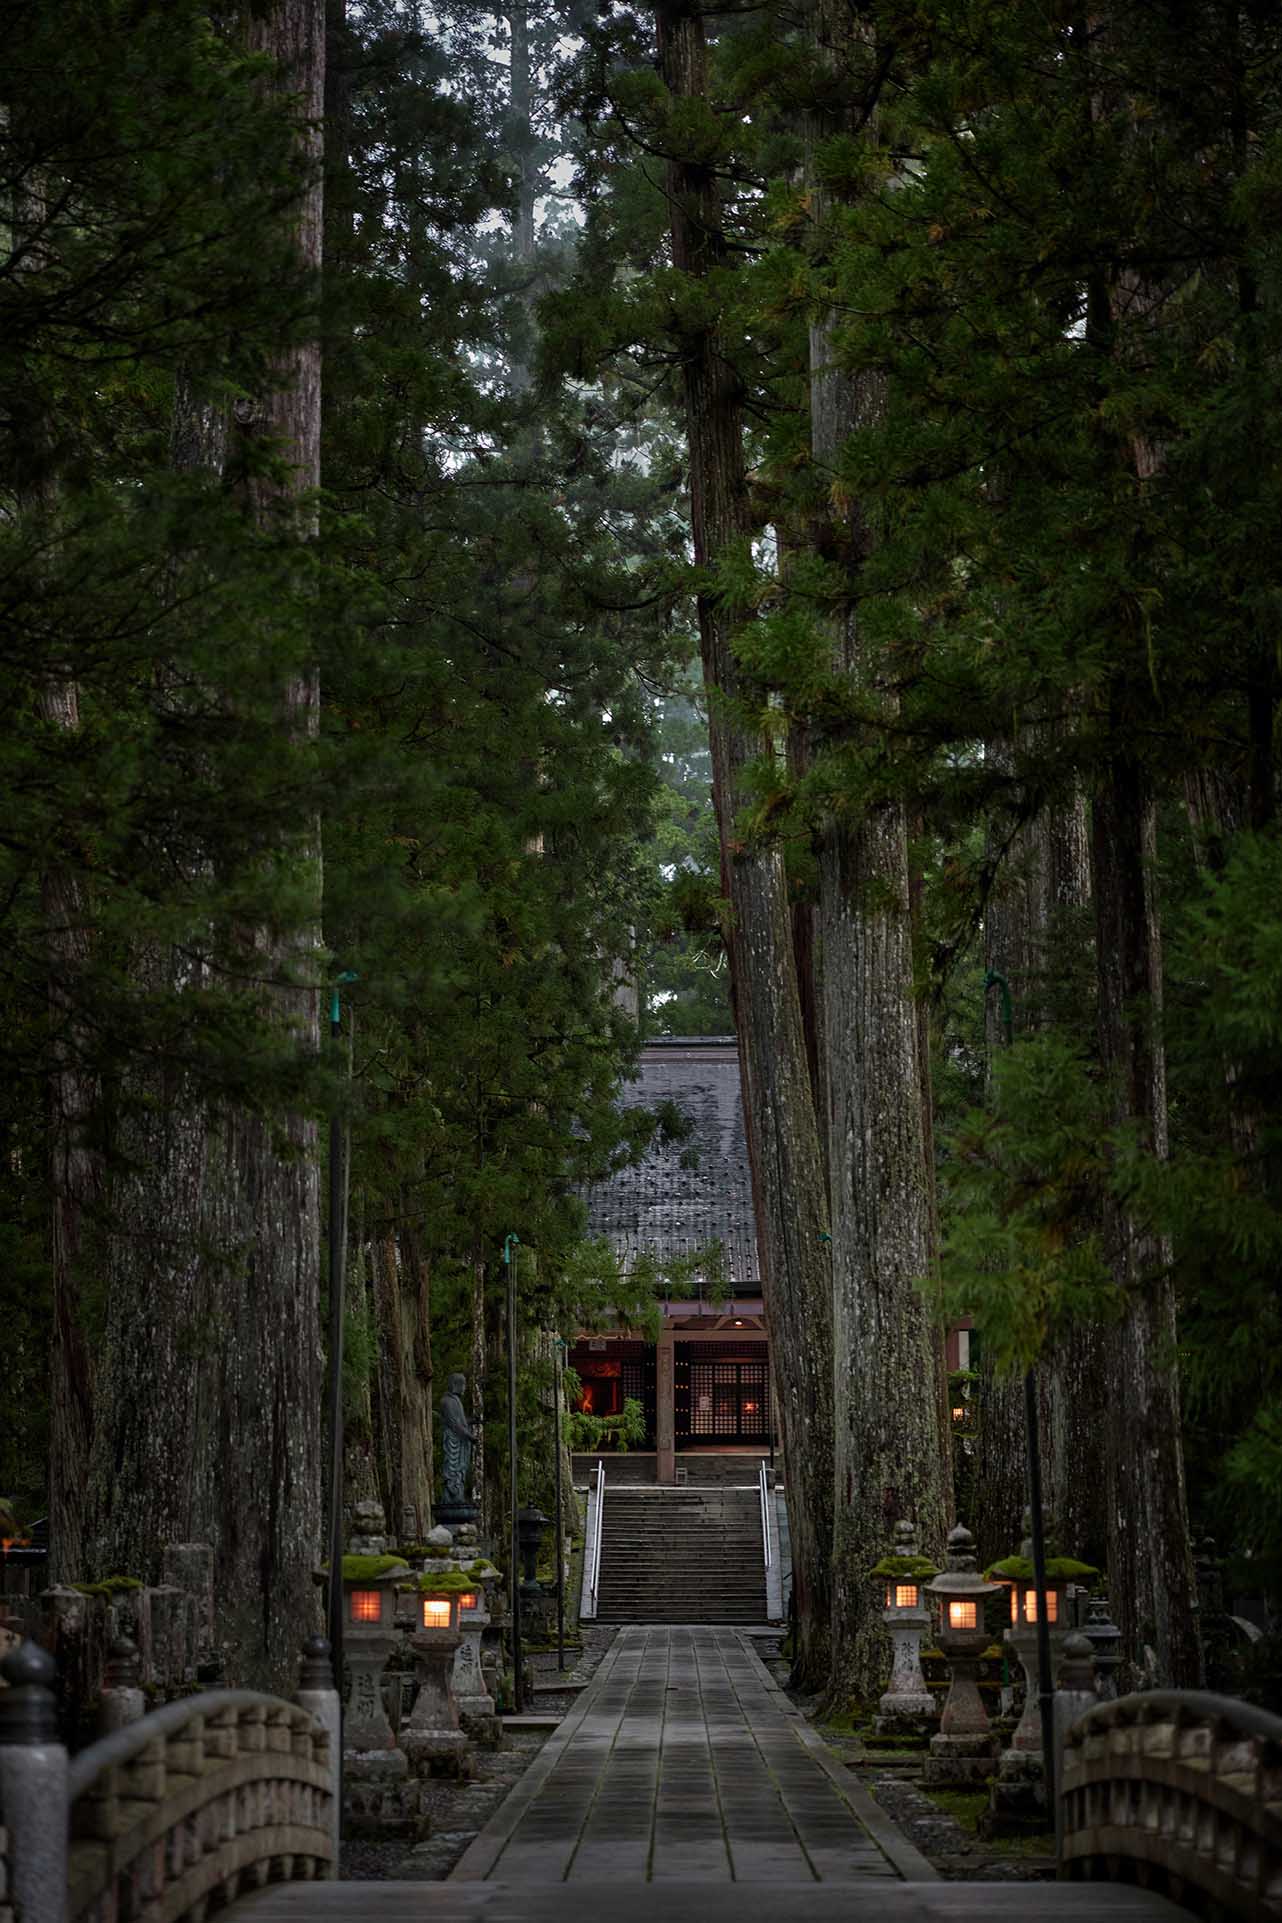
(666, 1209)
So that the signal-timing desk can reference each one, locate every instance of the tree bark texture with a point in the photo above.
(889, 1446)
(1150, 1564)
(402, 1320)
(787, 1161)
(1043, 887)
(73, 1090)
(213, 1429)
(75, 1185)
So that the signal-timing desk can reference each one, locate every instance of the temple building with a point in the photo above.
(705, 1384)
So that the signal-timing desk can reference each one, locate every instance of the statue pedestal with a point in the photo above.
(452, 1514)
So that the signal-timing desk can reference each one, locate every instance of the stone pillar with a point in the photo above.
(477, 1713)
(33, 1787)
(1075, 1696)
(190, 1566)
(168, 1645)
(122, 1701)
(1017, 1794)
(665, 1394)
(317, 1695)
(433, 1741)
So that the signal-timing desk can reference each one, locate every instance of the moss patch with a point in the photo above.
(1058, 1568)
(370, 1568)
(966, 1806)
(109, 1586)
(450, 1582)
(905, 1568)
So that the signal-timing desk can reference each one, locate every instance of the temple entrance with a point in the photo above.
(721, 1398)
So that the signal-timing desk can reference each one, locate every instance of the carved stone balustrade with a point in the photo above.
(1182, 1792)
(204, 1799)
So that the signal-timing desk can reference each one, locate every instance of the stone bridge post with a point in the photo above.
(33, 1787)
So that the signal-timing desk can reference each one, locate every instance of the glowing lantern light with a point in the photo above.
(963, 1615)
(467, 1601)
(905, 1596)
(366, 1606)
(436, 1612)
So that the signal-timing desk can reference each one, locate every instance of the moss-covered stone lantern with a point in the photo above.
(1016, 1572)
(907, 1708)
(433, 1740)
(369, 1637)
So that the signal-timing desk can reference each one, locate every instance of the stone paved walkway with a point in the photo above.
(685, 1788)
(685, 1763)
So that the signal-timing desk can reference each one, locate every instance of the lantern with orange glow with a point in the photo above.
(369, 1592)
(369, 1637)
(1017, 1574)
(907, 1704)
(961, 1593)
(433, 1738)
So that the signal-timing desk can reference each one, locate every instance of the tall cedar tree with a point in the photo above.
(154, 620)
(787, 1162)
(889, 1453)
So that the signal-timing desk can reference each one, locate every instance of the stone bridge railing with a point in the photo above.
(1180, 1792)
(184, 1810)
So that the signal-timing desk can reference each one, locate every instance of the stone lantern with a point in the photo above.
(907, 1708)
(1017, 1799)
(1016, 1572)
(1105, 1639)
(531, 1528)
(433, 1739)
(962, 1752)
(378, 1797)
(477, 1712)
(369, 1637)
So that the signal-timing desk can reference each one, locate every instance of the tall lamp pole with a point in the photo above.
(558, 1403)
(1037, 1530)
(337, 1276)
(514, 1549)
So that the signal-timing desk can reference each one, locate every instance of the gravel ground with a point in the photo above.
(956, 1852)
(460, 1810)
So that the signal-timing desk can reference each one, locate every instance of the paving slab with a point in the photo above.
(685, 1763)
(703, 1902)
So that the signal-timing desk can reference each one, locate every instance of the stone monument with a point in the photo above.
(458, 1443)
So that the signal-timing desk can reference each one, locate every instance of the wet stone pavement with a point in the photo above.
(684, 1787)
(459, 1810)
(686, 1763)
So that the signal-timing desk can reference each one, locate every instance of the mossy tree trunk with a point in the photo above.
(890, 1450)
(792, 1207)
(209, 1422)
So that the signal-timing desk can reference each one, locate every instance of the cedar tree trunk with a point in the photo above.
(889, 1449)
(792, 1210)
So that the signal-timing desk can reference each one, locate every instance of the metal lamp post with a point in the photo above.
(337, 1276)
(559, 1400)
(514, 1540)
(1046, 1689)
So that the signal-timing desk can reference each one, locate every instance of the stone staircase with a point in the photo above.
(684, 1555)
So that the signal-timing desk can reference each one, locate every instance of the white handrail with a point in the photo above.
(596, 1531)
(765, 1513)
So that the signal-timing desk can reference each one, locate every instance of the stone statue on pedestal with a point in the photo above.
(458, 1440)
